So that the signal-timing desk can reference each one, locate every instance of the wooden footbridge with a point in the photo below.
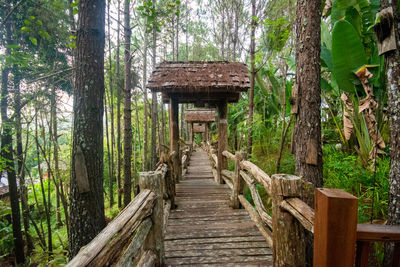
(193, 211)
(203, 229)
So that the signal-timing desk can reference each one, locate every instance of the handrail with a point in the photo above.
(132, 219)
(287, 192)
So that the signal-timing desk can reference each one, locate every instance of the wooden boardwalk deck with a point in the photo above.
(204, 230)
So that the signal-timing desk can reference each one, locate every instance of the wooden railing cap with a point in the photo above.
(335, 193)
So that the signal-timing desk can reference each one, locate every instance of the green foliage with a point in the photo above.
(347, 55)
(6, 236)
(345, 171)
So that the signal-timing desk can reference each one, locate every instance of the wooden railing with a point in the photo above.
(136, 236)
(333, 222)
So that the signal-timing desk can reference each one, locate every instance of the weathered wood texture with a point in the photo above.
(108, 247)
(335, 228)
(155, 239)
(204, 230)
(222, 137)
(289, 246)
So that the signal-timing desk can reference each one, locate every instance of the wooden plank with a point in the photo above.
(301, 211)
(229, 155)
(215, 240)
(262, 212)
(148, 259)
(136, 244)
(265, 259)
(188, 233)
(335, 228)
(261, 177)
(136, 210)
(225, 245)
(220, 252)
(362, 255)
(378, 232)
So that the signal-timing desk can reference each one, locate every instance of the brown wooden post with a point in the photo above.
(191, 133)
(238, 182)
(222, 137)
(288, 235)
(207, 132)
(335, 228)
(155, 238)
(174, 136)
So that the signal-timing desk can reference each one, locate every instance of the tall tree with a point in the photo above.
(252, 74)
(145, 115)
(86, 198)
(119, 97)
(154, 105)
(392, 59)
(308, 83)
(7, 148)
(127, 105)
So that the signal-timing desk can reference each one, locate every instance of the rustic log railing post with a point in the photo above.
(155, 238)
(335, 228)
(222, 137)
(238, 182)
(289, 246)
(174, 136)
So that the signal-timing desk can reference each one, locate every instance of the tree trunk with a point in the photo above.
(20, 162)
(111, 182)
(252, 78)
(154, 105)
(127, 106)
(86, 190)
(53, 107)
(7, 153)
(392, 60)
(45, 203)
(308, 80)
(145, 130)
(119, 97)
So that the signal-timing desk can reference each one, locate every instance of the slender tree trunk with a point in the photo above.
(111, 182)
(187, 31)
(108, 151)
(7, 154)
(20, 163)
(145, 115)
(86, 194)
(392, 60)
(127, 106)
(223, 30)
(252, 78)
(154, 105)
(53, 107)
(45, 204)
(119, 99)
(177, 36)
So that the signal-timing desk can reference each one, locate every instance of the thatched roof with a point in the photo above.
(199, 128)
(195, 81)
(200, 115)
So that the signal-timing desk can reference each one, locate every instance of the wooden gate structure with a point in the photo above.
(136, 236)
(201, 116)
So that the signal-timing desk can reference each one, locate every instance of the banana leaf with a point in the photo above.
(347, 54)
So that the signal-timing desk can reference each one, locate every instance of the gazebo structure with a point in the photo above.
(214, 83)
(201, 116)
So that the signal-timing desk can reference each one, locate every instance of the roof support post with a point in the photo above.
(222, 137)
(207, 132)
(174, 136)
(191, 133)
